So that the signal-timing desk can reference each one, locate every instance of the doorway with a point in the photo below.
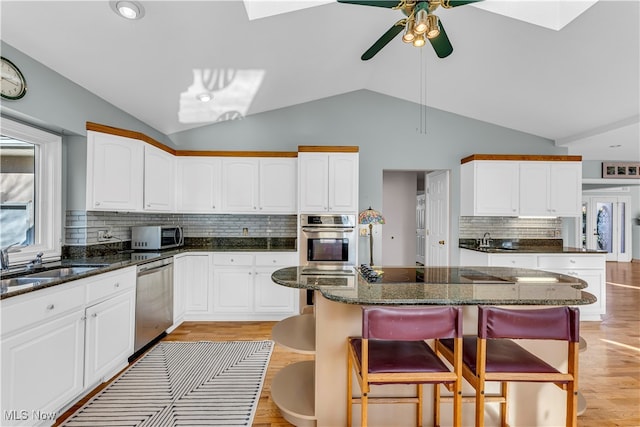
(415, 205)
(606, 226)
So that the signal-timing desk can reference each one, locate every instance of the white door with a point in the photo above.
(343, 183)
(438, 244)
(313, 170)
(278, 189)
(421, 228)
(607, 226)
(240, 184)
(198, 188)
(159, 179)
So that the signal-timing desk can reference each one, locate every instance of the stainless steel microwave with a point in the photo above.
(154, 237)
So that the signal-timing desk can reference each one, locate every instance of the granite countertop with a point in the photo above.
(114, 261)
(442, 286)
(528, 246)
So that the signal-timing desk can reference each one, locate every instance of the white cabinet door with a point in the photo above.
(240, 184)
(232, 290)
(115, 167)
(159, 179)
(550, 188)
(199, 184)
(42, 369)
(194, 274)
(343, 183)
(110, 333)
(313, 182)
(534, 188)
(565, 192)
(496, 188)
(328, 182)
(179, 289)
(278, 189)
(270, 297)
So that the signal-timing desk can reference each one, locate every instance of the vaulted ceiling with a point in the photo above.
(579, 85)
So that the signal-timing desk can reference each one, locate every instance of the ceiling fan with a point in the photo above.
(419, 26)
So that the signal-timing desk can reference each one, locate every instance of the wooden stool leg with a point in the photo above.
(349, 390)
(363, 410)
(480, 405)
(504, 408)
(419, 409)
(436, 405)
(572, 405)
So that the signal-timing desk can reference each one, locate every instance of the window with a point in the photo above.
(30, 192)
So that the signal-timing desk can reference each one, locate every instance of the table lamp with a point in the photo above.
(370, 216)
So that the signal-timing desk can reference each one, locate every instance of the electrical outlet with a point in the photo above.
(103, 235)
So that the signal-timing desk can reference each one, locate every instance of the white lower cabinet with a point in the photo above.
(590, 267)
(243, 290)
(42, 370)
(58, 343)
(193, 272)
(110, 335)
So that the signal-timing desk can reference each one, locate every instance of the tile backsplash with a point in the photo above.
(474, 227)
(81, 227)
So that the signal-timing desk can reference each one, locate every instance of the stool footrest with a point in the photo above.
(472, 399)
(388, 399)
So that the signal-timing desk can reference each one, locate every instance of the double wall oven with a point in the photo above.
(327, 250)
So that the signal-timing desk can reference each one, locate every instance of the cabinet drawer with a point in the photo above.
(267, 259)
(520, 261)
(21, 311)
(233, 259)
(571, 261)
(110, 283)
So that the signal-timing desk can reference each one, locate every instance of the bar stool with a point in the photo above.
(494, 356)
(392, 350)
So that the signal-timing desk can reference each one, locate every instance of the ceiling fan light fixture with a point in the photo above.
(204, 97)
(422, 23)
(434, 27)
(409, 34)
(419, 41)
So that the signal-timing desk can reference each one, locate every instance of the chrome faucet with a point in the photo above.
(4, 257)
(36, 262)
(486, 240)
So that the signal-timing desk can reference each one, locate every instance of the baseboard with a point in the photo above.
(635, 260)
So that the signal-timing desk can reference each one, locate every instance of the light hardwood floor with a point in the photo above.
(609, 368)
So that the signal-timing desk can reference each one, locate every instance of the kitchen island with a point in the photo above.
(310, 394)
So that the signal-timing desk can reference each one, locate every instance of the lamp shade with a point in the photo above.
(370, 216)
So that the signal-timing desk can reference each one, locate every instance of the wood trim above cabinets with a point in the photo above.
(96, 127)
(193, 153)
(521, 157)
(328, 149)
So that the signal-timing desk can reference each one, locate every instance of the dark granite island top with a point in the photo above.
(441, 286)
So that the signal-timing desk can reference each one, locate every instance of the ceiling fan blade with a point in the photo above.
(380, 3)
(382, 41)
(456, 3)
(441, 44)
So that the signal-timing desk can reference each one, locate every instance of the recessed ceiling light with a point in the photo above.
(204, 97)
(127, 9)
(615, 146)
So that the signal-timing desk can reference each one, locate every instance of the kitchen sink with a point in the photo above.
(60, 272)
(20, 281)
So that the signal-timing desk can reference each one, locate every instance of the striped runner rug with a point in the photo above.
(183, 384)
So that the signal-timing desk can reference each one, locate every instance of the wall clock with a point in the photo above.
(13, 85)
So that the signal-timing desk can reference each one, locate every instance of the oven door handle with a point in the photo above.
(327, 230)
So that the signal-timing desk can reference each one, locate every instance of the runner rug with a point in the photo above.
(183, 384)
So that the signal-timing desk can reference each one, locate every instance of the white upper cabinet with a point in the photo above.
(521, 188)
(328, 182)
(240, 184)
(199, 184)
(278, 184)
(159, 179)
(259, 185)
(551, 188)
(114, 172)
(489, 188)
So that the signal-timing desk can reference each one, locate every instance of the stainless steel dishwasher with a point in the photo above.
(154, 300)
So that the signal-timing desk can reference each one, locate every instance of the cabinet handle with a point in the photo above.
(250, 273)
(51, 307)
(116, 285)
(148, 205)
(214, 206)
(83, 318)
(572, 261)
(94, 315)
(441, 242)
(97, 203)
